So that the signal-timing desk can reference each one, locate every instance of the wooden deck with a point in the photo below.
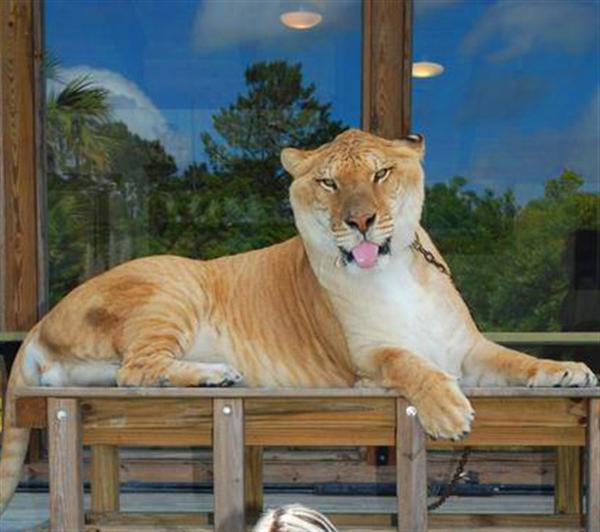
(238, 422)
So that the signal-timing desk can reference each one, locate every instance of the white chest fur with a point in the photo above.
(388, 307)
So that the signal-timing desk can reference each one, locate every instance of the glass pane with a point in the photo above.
(165, 120)
(512, 155)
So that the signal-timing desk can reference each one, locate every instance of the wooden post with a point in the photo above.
(568, 480)
(104, 478)
(65, 465)
(593, 467)
(228, 465)
(387, 67)
(254, 482)
(411, 469)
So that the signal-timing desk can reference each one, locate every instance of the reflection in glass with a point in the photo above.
(165, 121)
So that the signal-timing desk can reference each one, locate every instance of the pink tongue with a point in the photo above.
(365, 254)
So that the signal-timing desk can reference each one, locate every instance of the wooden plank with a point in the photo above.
(309, 421)
(31, 412)
(193, 522)
(182, 422)
(228, 465)
(254, 482)
(65, 462)
(387, 67)
(534, 421)
(568, 480)
(18, 187)
(506, 338)
(593, 467)
(104, 478)
(549, 421)
(242, 392)
(544, 338)
(411, 467)
(522, 521)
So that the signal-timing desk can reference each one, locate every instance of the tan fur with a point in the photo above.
(294, 314)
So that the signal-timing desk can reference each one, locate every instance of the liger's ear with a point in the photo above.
(414, 143)
(293, 160)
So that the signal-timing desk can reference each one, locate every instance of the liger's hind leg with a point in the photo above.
(155, 360)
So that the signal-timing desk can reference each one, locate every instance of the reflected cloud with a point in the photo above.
(129, 104)
(228, 23)
(423, 7)
(498, 97)
(547, 152)
(512, 29)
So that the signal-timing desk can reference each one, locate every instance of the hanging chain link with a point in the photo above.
(450, 487)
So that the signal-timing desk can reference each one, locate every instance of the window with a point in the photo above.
(512, 167)
(165, 121)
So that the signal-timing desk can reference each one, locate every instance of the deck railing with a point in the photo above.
(234, 420)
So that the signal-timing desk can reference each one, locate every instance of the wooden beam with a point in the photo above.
(65, 463)
(411, 468)
(568, 480)
(228, 465)
(20, 64)
(387, 67)
(254, 482)
(104, 478)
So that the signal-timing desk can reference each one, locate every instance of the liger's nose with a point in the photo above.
(362, 222)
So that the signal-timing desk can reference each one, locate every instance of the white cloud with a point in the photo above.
(224, 23)
(524, 25)
(526, 162)
(129, 104)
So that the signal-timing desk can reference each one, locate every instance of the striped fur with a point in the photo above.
(294, 518)
(297, 314)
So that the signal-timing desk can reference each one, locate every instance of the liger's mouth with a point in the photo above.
(366, 254)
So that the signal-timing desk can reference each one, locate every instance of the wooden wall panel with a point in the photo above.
(387, 67)
(20, 60)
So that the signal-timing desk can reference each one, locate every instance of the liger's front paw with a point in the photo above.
(551, 373)
(444, 411)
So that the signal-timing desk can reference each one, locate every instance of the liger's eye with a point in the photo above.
(380, 175)
(327, 184)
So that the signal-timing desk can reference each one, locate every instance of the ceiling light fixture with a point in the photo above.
(301, 20)
(426, 69)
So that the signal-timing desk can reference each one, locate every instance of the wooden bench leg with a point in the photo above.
(593, 467)
(228, 465)
(254, 482)
(568, 481)
(411, 470)
(65, 465)
(104, 478)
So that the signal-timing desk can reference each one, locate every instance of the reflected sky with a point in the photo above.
(519, 99)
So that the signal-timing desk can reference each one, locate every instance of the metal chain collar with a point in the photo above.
(450, 487)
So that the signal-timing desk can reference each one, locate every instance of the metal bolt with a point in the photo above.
(227, 410)
(61, 414)
(411, 411)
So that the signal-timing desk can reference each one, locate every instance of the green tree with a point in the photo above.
(277, 110)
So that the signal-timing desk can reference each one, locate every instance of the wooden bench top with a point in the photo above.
(243, 392)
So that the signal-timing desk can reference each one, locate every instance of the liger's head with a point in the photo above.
(359, 196)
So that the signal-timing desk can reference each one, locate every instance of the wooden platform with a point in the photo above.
(237, 422)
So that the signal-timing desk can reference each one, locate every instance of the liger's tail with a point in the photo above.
(14, 440)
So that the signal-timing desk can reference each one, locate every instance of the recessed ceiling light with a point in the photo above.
(425, 69)
(301, 20)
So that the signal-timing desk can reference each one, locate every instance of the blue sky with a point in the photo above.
(518, 101)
